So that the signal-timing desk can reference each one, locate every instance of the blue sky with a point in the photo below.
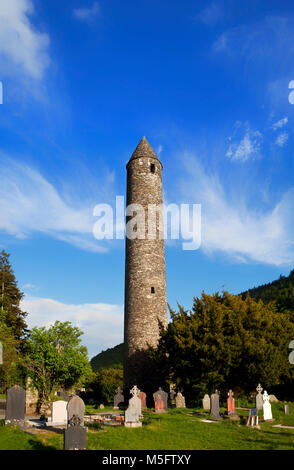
(206, 82)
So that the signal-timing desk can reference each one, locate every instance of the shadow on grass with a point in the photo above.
(38, 445)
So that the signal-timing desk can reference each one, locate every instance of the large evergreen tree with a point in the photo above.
(226, 342)
(10, 297)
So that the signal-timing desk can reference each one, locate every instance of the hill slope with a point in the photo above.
(112, 357)
(281, 290)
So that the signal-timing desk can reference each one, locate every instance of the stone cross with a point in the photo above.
(231, 403)
(118, 398)
(259, 400)
(134, 409)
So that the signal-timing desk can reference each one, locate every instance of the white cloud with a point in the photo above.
(30, 286)
(87, 14)
(23, 49)
(282, 139)
(102, 324)
(232, 226)
(279, 124)
(30, 204)
(247, 148)
(211, 15)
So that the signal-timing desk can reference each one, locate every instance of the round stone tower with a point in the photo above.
(145, 284)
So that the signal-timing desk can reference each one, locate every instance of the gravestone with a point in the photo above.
(15, 406)
(267, 407)
(180, 401)
(231, 403)
(172, 393)
(252, 419)
(59, 414)
(142, 397)
(134, 410)
(160, 403)
(118, 398)
(259, 399)
(214, 405)
(287, 409)
(75, 436)
(206, 402)
(75, 407)
(101, 406)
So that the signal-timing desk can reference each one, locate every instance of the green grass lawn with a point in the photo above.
(175, 430)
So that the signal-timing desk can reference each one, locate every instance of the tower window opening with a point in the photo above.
(152, 168)
(152, 290)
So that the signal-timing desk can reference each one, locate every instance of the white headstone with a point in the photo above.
(206, 402)
(134, 409)
(59, 412)
(267, 407)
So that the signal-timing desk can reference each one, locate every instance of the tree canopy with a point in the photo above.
(55, 358)
(225, 342)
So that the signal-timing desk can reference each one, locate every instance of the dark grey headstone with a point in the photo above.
(118, 397)
(75, 407)
(75, 437)
(15, 406)
(214, 405)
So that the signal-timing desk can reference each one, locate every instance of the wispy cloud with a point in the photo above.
(282, 139)
(102, 324)
(233, 226)
(279, 124)
(211, 15)
(23, 49)
(87, 14)
(246, 147)
(31, 204)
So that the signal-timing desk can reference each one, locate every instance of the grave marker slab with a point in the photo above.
(206, 402)
(15, 406)
(267, 408)
(214, 405)
(134, 409)
(118, 397)
(75, 407)
(180, 401)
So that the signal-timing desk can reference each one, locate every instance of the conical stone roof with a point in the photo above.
(143, 149)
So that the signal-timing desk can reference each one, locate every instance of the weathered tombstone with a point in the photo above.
(134, 410)
(259, 399)
(252, 419)
(206, 402)
(59, 414)
(15, 406)
(142, 397)
(75, 436)
(287, 409)
(214, 405)
(101, 406)
(180, 401)
(118, 398)
(267, 407)
(75, 407)
(231, 403)
(160, 403)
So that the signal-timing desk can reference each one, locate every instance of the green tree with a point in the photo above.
(225, 342)
(10, 298)
(103, 384)
(9, 368)
(55, 358)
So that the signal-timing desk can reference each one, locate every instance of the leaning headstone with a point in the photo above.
(15, 406)
(180, 401)
(267, 407)
(75, 436)
(118, 398)
(142, 397)
(164, 396)
(287, 409)
(134, 410)
(231, 403)
(206, 402)
(59, 414)
(252, 419)
(214, 405)
(75, 407)
(259, 399)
